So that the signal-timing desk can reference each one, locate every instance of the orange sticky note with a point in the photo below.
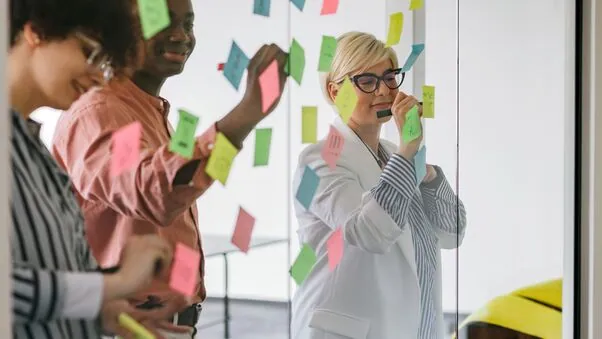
(241, 237)
(335, 248)
(329, 7)
(185, 270)
(269, 81)
(331, 151)
(125, 149)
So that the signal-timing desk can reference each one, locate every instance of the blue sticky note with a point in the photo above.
(307, 187)
(236, 65)
(420, 164)
(299, 4)
(262, 7)
(416, 51)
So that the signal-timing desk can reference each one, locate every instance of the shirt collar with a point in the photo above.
(127, 87)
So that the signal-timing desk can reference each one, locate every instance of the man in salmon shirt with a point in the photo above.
(158, 194)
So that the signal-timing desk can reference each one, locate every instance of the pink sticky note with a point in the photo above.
(125, 151)
(269, 81)
(331, 151)
(241, 237)
(329, 7)
(185, 270)
(335, 248)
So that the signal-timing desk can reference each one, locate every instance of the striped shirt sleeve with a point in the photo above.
(396, 187)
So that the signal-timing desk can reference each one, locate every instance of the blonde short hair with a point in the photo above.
(355, 52)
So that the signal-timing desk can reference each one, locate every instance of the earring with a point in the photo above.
(36, 41)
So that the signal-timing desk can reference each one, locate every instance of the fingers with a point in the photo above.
(256, 60)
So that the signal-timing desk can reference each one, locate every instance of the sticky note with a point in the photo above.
(395, 28)
(185, 270)
(221, 158)
(135, 327)
(428, 98)
(154, 17)
(308, 187)
(327, 50)
(329, 7)
(263, 139)
(346, 100)
(333, 147)
(262, 7)
(420, 164)
(416, 4)
(296, 61)
(416, 50)
(125, 149)
(306, 259)
(309, 124)
(236, 65)
(269, 81)
(220, 66)
(183, 140)
(299, 4)
(412, 128)
(241, 237)
(334, 246)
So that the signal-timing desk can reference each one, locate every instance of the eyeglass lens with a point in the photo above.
(370, 82)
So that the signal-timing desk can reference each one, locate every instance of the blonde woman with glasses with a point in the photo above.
(388, 282)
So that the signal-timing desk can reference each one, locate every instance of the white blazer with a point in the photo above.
(373, 293)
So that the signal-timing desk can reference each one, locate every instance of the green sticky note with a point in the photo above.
(395, 29)
(154, 16)
(416, 4)
(303, 264)
(183, 141)
(263, 139)
(296, 62)
(309, 124)
(346, 100)
(412, 128)
(327, 50)
(428, 98)
(221, 158)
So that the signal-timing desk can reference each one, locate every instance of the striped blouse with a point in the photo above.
(53, 296)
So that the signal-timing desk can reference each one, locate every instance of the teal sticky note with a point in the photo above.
(420, 164)
(299, 4)
(327, 50)
(305, 261)
(154, 17)
(262, 7)
(416, 51)
(308, 187)
(263, 139)
(236, 65)
(296, 62)
(412, 128)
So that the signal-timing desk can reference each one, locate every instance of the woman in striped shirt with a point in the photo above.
(60, 49)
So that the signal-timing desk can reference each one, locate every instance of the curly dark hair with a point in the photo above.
(112, 22)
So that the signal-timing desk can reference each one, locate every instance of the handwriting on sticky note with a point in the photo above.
(303, 264)
(269, 81)
(236, 65)
(420, 164)
(262, 7)
(296, 61)
(428, 98)
(183, 141)
(416, 51)
(333, 147)
(241, 237)
(125, 149)
(308, 187)
(154, 17)
(329, 7)
(416, 4)
(221, 158)
(327, 50)
(263, 140)
(309, 124)
(335, 248)
(412, 129)
(299, 4)
(346, 100)
(395, 28)
(135, 327)
(185, 270)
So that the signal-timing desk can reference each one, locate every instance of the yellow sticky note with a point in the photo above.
(346, 100)
(395, 28)
(416, 4)
(428, 101)
(309, 124)
(133, 326)
(221, 158)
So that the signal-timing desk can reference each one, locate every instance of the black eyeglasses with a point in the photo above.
(369, 82)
